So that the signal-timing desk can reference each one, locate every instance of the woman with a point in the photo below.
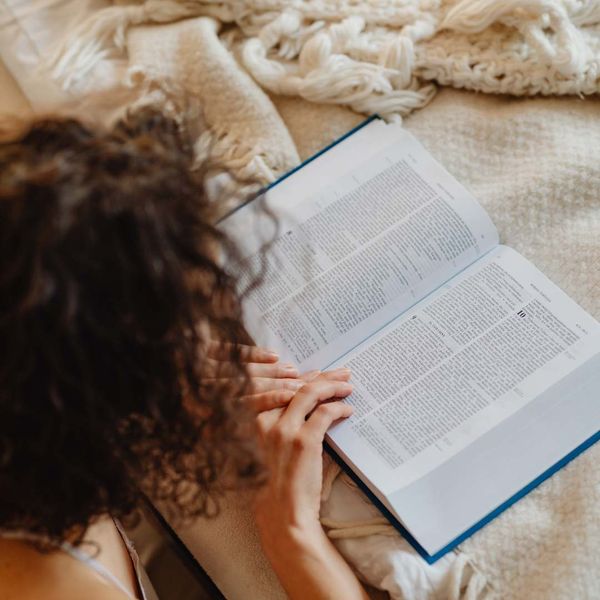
(116, 380)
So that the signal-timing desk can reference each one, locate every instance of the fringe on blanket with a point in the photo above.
(376, 56)
(216, 152)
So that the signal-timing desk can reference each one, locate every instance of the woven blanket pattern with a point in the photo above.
(376, 56)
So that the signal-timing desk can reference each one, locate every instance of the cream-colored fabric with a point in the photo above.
(242, 132)
(384, 558)
(378, 55)
(29, 30)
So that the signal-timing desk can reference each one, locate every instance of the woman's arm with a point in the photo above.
(309, 566)
(287, 508)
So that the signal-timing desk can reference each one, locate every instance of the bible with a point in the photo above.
(475, 377)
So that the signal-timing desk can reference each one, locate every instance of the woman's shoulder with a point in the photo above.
(27, 574)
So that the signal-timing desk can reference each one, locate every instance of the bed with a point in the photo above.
(532, 163)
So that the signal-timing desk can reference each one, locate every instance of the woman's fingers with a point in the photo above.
(310, 375)
(256, 385)
(300, 403)
(259, 385)
(309, 396)
(273, 370)
(341, 374)
(223, 351)
(268, 400)
(324, 416)
(308, 440)
(266, 394)
(267, 419)
(212, 369)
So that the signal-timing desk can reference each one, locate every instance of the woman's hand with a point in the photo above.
(287, 507)
(272, 384)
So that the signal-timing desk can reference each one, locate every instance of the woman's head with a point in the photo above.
(108, 285)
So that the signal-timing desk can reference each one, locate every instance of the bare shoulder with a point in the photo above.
(35, 591)
(26, 574)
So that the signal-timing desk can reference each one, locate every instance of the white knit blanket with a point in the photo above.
(532, 163)
(378, 55)
(373, 56)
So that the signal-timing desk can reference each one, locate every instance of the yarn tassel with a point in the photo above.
(568, 53)
(369, 60)
(326, 73)
(584, 13)
(473, 16)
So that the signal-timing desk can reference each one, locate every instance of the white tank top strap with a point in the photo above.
(96, 566)
(144, 585)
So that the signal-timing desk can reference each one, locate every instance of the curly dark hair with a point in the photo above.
(108, 284)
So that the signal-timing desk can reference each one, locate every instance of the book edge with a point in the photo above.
(432, 558)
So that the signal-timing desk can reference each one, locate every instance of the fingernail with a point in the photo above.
(346, 387)
(342, 370)
(271, 354)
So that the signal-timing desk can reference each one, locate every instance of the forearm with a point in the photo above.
(309, 566)
(287, 506)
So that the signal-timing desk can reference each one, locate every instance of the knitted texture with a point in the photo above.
(377, 56)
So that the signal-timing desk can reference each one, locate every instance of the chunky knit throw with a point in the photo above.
(377, 56)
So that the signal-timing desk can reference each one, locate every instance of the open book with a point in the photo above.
(475, 377)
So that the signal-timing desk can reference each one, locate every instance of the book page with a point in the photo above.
(531, 444)
(456, 365)
(361, 238)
